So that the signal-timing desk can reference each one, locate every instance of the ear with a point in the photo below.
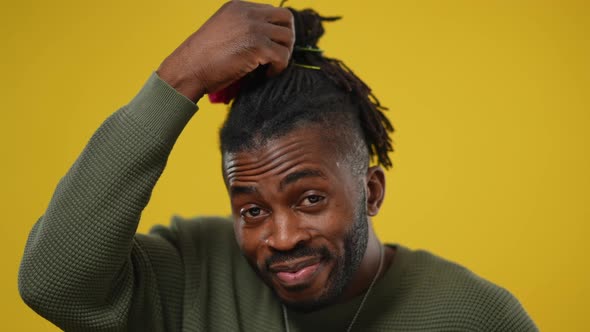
(375, 189)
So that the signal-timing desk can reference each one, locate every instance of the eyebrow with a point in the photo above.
(289, 179)
(242, 190)
(295, 176)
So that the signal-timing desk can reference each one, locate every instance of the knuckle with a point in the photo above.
(289, 36)
(280, 57)
(288, 14)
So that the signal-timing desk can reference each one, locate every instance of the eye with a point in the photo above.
(312, 200)
(253, 213)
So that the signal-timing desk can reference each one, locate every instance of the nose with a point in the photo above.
(286, 231)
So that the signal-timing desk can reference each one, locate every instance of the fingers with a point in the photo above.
(269, 13)
(278, 16)
(277, 56)
(266, 32)
(281, 47)
(280, 34)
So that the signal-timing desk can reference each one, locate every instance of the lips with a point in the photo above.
(296, 272)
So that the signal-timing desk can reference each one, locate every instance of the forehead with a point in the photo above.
(303, 148)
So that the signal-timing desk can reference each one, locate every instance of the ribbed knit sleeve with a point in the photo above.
(83, 268)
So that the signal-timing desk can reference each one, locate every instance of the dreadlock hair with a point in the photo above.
(312, 90)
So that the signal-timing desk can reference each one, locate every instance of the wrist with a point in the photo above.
(161, 109)
(181, 79)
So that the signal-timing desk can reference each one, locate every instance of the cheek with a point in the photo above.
(249, 241)
(335, 221)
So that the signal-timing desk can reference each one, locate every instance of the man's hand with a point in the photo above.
(237, 39)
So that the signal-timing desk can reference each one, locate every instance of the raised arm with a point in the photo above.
(83, 267)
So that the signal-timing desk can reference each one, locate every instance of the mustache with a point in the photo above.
(301, 250)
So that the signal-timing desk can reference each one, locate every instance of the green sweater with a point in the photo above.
(85, 269)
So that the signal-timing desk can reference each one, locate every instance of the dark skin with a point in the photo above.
(237, 39)
(295, 190)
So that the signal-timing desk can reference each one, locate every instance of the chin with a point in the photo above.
(304, 301)
(307, 304)
(314, 294)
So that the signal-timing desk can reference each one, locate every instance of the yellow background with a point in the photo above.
(489, 99)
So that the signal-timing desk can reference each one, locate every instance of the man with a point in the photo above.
(300, 253)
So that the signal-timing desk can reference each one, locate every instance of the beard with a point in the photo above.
(345, 265)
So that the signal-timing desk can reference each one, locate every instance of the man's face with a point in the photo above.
(300, 216)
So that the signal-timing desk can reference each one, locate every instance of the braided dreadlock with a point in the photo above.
(332, 96)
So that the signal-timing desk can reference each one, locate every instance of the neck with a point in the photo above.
(365, 274)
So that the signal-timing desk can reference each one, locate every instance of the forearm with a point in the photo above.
(77, 262)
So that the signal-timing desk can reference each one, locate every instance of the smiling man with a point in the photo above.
(299, 254)
(301, 212)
